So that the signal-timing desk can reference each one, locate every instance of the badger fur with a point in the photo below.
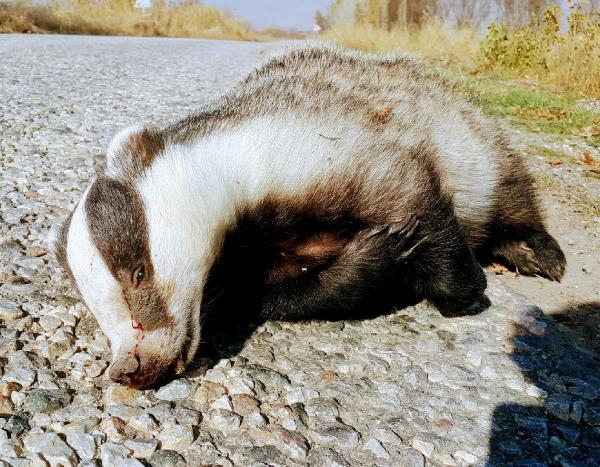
(328, 175)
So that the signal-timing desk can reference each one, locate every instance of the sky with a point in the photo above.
(286, 14)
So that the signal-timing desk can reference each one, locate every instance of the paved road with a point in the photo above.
(407, 388)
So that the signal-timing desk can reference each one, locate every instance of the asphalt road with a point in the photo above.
(409, 388)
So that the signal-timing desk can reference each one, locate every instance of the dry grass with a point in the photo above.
(432, 39)
(119, 17)
(543, 51)
(573, 67)
(540, 51)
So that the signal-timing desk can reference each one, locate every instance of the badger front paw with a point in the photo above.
(398, 238)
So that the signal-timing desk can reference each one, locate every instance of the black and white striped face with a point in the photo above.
(142, 283)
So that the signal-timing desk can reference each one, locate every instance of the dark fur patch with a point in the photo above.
(139, 151)
(118, 228)
(517, 236)
(301, 255)
(329, 253)
(381, 117)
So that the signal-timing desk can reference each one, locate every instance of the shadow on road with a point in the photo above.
(560, 355)
(230, 314)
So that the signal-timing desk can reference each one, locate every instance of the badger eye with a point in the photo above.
(138, 275)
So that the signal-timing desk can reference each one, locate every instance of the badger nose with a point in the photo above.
(124, 368)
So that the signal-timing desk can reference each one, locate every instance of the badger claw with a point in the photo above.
(397, 234)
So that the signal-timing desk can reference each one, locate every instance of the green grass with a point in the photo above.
(537, 109)
(527, 105)
(545, 152)
(547, 183)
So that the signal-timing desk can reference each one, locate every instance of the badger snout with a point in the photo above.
(124, 369)
(141, 372)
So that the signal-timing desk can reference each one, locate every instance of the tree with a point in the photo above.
(517, 13)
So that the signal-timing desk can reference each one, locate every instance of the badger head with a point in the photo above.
(143, 284)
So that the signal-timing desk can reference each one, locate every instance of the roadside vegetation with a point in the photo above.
(521, 59)
(119, 17)
(528, 39)
(531, 63)
(537, 109)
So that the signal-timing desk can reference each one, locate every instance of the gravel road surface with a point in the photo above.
(514, 385)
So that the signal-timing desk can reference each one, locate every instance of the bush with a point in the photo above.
(523, 48)
(541, 50)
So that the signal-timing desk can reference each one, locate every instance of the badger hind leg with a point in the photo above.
(517, 236)
(431, 258)
(425, 258)
(532, 252)
(444, 270)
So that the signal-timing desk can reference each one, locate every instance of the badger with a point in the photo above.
(327, 175)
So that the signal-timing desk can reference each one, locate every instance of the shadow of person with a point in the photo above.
(560, 355)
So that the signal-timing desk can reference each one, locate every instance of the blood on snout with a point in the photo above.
(142, 371)
(137, 327)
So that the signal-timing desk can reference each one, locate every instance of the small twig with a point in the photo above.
(329, 138)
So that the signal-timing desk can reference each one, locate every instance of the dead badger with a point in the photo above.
(328, 174)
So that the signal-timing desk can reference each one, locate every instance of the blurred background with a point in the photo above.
(553, 42)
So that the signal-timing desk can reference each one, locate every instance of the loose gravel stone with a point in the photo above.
(323, 408)
(117, 394)
(424, 447)
(114, 428)
(300, 395)
(85, 445)
(465, 456)
(376, 448)
(187, 416)
(16, 426)
(252, 420)
(412, 457)
(22, 377)
(175, 390)
(81, 426)
(50, 323)
(223, 402)
(51, 447)
(336, 433)
(10, 450)
(292, 444)
(326, 456)
(142, 448)
(144, 422)
(167, 458)
(117, 454)
(9, 311)
(19, 462)
(163, 412)
(44, 400)
(239, 385)
(123, 412)
(7, 407)
(176, 437)
(244, 404)
(225, 421)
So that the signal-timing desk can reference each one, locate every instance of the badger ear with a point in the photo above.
(56, 240)
(132, 150)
